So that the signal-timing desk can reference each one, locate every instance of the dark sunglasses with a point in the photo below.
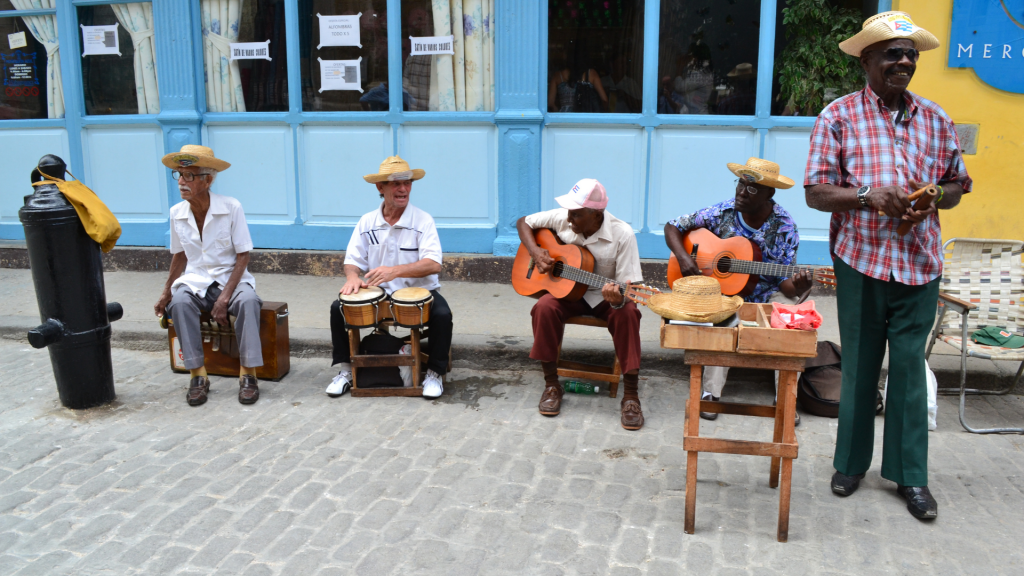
(896, 54)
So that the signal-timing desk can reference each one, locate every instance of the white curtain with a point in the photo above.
(465, 81)
(220, 29)
(44, 30)
(137, 19)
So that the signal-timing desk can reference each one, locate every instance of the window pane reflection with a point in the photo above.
(373, 66)
(708, 57)
(125, 83)
(25, 74)
(595, 55)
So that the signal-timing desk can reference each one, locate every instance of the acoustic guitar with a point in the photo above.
(736, 263)
(572, 275)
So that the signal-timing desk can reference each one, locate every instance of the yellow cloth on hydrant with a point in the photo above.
(99, 222)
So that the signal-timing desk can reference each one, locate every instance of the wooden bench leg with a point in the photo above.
(787, 397)
(353, 351)
(692, 430)
(773, 475)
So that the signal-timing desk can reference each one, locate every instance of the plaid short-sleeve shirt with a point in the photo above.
(856, 143)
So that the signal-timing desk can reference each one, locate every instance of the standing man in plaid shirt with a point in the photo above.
(869, 150)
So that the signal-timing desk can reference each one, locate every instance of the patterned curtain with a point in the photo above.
(44, 30)
(220, 29)
(137, 19)
(465, 81)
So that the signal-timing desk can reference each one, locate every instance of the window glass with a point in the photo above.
(25, 84)
(122, 83)
(372, 57)
(810, 69)
(707, 52)
(461, 80)
(251, 82)
(595, 55)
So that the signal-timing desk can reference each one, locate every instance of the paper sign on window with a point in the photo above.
(17, 40)
(339, 30)
(250, 50)
(100, 40)
(428, 45)
(340, 75)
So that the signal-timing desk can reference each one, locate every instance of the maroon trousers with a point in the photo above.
(549, 316)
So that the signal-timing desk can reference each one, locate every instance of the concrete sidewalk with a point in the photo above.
(492, 325)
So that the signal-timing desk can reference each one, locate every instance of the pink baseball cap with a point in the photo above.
(587, 193)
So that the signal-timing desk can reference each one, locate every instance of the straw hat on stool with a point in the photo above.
(695, 299)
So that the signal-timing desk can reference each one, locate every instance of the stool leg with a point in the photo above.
(414, 341)
(693, 431)
(773, 475)
(787, 396)
(613, 390)
(353, 351)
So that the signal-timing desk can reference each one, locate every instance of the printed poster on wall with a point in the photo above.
(20, 77)
(250, 50)
(100, 40)
(430, 45)
(17, 40)
(339, 30)
(340, 75)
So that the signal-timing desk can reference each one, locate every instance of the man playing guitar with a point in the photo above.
(583, 221)
(752, 214)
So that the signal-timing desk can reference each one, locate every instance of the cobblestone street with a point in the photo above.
(474, 483)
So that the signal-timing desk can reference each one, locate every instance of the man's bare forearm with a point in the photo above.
(829, 198)
(526, 235)
(419, 269)
(952, 193)
(352, 272)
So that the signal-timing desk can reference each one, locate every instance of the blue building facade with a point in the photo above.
(298, 169)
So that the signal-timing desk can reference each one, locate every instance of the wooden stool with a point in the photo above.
(378, 360)
(609, 374)
(783, 446)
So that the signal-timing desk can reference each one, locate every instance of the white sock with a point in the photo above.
(344, 367)
(706, 395)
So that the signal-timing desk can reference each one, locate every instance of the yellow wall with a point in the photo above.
(995, 207)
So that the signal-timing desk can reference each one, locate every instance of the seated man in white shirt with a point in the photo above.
(210, 242)
(396, 246)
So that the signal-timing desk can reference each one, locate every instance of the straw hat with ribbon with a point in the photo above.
(193, 155)
(393, 169)
(695, 299)
(887, 26)
(744, 69)
(761, 172)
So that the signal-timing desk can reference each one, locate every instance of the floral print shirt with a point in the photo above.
(777, 238)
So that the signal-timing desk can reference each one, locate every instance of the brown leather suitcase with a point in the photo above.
(224, 360)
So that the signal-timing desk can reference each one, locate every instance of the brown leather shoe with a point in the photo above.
(551, 400)
(632, 416)
(198, 388)
(248, 389)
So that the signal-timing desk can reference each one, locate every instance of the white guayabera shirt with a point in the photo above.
(212, 257)
(376, 243)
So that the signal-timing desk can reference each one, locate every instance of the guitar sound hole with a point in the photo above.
(724, 265)
(557, 270)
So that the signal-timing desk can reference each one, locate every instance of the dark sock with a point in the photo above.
(550, 373)
(631, 383)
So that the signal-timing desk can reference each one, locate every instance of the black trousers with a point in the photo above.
(438, 344)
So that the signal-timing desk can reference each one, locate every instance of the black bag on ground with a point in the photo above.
(382, 376)
(820, 386)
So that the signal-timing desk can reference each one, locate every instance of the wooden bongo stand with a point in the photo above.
(377, 360)
(783, 447)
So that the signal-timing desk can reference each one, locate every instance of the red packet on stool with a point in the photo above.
(798, 317)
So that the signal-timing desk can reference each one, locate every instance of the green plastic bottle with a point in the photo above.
(578, 387)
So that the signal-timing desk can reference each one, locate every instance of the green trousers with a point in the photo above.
(871, 313)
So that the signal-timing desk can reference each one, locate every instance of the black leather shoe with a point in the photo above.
(919, 501)
(710, 415)
(844, 485)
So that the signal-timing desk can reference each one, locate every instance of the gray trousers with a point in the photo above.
(714, 376)
(245, 305)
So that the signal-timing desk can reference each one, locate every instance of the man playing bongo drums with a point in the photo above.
(397, 247)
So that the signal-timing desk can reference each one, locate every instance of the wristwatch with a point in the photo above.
(862, 195)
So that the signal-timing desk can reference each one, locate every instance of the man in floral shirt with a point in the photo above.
(752, 214)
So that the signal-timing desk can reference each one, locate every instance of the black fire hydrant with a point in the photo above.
(67, 270)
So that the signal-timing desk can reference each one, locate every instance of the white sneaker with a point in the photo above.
(432, 387)
(340, 384)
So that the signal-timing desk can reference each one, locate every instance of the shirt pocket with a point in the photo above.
(408, 254)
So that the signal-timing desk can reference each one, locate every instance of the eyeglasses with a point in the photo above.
(750, 189)
(896, 54)
(188, 176)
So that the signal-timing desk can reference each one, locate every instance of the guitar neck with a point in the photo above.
(563, 270)
(768, 268)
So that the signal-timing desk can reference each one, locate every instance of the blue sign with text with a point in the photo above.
(988, 35)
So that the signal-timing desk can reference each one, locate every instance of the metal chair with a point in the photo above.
(983, 282)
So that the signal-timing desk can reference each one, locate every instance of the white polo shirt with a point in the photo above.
(210, 258)
(613, 245)
(376, 243)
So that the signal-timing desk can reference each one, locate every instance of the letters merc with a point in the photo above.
(988, 36)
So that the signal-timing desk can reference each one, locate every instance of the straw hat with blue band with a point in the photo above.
(194, 155)
(889, 26)
(762, 172)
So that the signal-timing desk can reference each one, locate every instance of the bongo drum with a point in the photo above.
(410, 307)
(363, 309)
